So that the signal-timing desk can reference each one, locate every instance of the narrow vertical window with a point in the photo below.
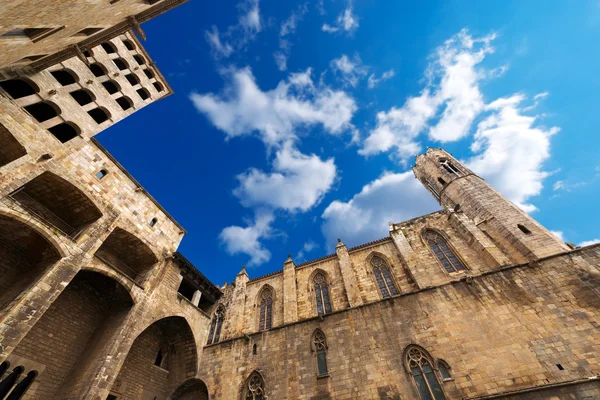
(443, 252)
(383, 276)
(444, 369)
(320, 348)
(153, 222)
(449, 167)
(215, 327)
(524, 229)
(266, 310)
(422, 374)
(254, 388)
(322, 294)
(101, 174)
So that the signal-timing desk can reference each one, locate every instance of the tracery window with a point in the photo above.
(266, 310)
(383, 276)
(322, 294)
(320, 348)
(423, 376)
(255, 387)
(448, 166)
(443, 252)
(215, 327)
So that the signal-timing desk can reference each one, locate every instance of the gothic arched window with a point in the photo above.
(254, 388)
(449, 167)
(319, 345)
(443, 252)
(420, 367)
(383, 276)
(444, 369)
(266, 310)
(216, 325)
(322, 294)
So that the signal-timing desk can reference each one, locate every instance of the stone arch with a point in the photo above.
(161, 359)
(311, 278)
(119, 278)
(265, 313)
(192, 389)
(394, 287)
(26, 253)
(420, 367)
(243, 388)
(57, 203)
(127, 254)
(86, 315)
(263, 289)
(21, 87)
(448, 242)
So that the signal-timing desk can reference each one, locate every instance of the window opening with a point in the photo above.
(186, 289)
(65, 131)
(121, 64)
(88, 53)
(111, 87)
(64, 77)
(133, 79)
(320, 348)
(97, 69)
(442, 182)
(41, 111)
(88, 31)
(159, 358)
(216, 325)
(443, 252)
(423, 377)
(255, 387)
(128, 44)
(124, 102)
(143, 93)
(139, 59)
(82, 97)
(383, 276)
(524, 229)
(149, 73)
(322, 294)
(158, 86)
(560, 367)
(448, 166)
(101, 174)
(99, 115)
(17, 88)
(254, 349)
(444, 370)
(109, 48)
(266, 310)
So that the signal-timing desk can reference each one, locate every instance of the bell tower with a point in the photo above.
(456, 187)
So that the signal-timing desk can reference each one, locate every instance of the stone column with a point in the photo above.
(348, 275)
(290, 299)
(406, 253)
(196, 298)
(236, 312)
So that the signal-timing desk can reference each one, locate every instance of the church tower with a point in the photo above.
(456, 187)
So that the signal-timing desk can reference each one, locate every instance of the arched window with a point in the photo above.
(111, 86)
(82, 96)
(444, 369)
(449, 167)
(97, 69)
(132, 79)
(65, 131)
(99, 115)
(254, 389)
(101, 174)
(128, 44)
(443, 252)
(158, 86)
(383, 276)
(322, 294)
(149, 73)
(419, 364)
(319, 346)
(266, 310)
(215, 327)
(43, 111)
(88, 53)
(64, 77)
(121, 64)
(254, 349)
(143, 93)
(17, 88)
(7, 383)
(22, 387)
(442, 181)
(139, 59)
(109, 48)
(125, 103)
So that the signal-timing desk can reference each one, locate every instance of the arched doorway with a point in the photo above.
(193, 389)
(24, 256)
(73, 333)
(161, 358)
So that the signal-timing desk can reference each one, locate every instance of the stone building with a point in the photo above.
(475, 301)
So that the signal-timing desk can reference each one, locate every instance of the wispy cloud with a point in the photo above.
(307, 248)
(349, 70)
(347, 21)
(374, 81)
(288, 27)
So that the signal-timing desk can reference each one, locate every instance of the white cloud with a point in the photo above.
(394, 197)
(244, 108)
(246, 240)
(307, 248)
(351, 71)
(288, 27)
(373, 81)
(250, 21)
(280, 60)
(452, 86)
(346, 21)
(512, 151)
(589, 242)
(219, 48)
(559, 234)
(298, 182)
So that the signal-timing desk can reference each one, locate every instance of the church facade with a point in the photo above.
(475, 301)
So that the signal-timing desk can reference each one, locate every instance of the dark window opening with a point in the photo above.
(88, 53)
(17, 88)
(442, 182)
(88, 31)
(205, 304)
(139, 59)
(109, 48)
(149, 73)
(158, 86)
(448, 166)
(159, 358)
(97, 70)
(128, 44)
(121, 64)
(143, 93)
(111, 87)
(65, 131)
(101, 174)
(64, 77)
(99, 115)
(186, 289)
(111, 396)
(444, 370)
(82, 96)
(10, 149)
(254, 349)
(42, 111)
(133, 79)
(560, 367)
(153, 222)
(124, 102)
(524, 229)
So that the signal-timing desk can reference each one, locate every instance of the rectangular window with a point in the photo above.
(322, 363)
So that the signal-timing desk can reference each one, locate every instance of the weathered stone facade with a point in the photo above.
(476, 301)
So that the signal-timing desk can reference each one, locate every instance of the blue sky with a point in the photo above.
(294, 123)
